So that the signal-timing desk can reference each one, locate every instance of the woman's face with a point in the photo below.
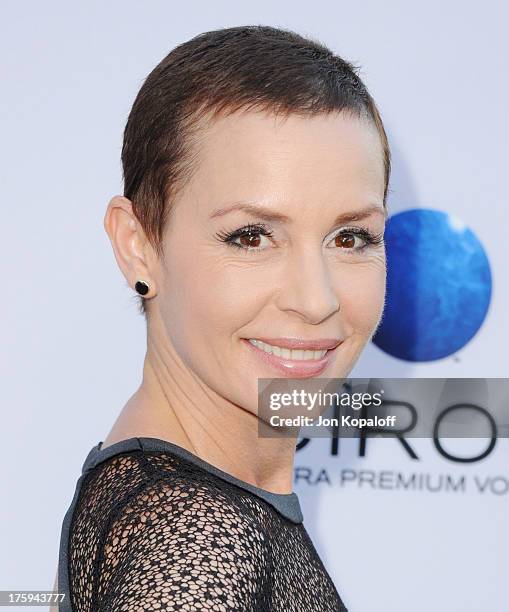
(305, 272)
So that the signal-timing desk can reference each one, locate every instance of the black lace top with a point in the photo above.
(153, 527)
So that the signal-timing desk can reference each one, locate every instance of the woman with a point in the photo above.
(256, 171)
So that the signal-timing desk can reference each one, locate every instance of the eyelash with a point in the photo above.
(229, 237)
(369, 238)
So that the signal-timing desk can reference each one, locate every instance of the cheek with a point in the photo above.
(362, 296)
(206, 304)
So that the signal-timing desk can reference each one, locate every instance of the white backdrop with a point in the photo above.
(73, 343)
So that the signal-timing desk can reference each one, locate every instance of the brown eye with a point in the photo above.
(346, 241)
(250, 240)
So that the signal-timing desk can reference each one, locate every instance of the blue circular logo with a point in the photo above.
(438, 286)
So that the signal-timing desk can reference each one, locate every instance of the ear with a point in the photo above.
(129, 242)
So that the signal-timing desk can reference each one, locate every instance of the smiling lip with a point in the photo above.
(292, 368)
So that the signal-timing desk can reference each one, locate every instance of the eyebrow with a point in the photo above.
(262, 212)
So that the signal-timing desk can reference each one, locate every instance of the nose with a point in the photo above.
(307, 288)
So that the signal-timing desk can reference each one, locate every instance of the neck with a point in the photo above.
(174, 405)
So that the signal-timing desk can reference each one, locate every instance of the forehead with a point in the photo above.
(251, 153)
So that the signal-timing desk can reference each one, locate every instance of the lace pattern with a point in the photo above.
(152, 531)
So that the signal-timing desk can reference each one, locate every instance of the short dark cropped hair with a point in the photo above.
(217, 73)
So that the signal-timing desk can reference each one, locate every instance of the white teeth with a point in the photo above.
(294, 354)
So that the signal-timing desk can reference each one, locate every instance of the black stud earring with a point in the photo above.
(142, 287)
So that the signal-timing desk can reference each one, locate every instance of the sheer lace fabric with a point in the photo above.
(152, 531)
